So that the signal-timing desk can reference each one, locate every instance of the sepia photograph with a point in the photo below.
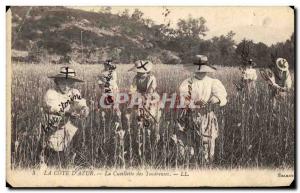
(150, 96)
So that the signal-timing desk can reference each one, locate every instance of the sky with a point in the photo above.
(260, 24)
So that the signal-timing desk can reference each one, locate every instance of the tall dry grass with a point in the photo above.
(252, 133)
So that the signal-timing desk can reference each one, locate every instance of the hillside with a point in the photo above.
(65, 35)
(60, 34)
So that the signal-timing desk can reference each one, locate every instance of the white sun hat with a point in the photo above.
(66, 73)
(282, 64)
(142, 66)
(200, 64)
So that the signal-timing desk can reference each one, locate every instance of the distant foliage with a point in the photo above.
(192, 27)
(170, 58)
(57, 31)
(262, 54)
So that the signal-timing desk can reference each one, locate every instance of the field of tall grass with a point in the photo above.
(252, 133)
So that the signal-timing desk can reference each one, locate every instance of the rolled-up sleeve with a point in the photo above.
(219, 91)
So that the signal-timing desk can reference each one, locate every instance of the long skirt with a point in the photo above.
(197, 134)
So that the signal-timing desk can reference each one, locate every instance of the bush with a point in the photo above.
(168, 57)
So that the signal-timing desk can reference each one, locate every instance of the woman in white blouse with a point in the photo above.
(63, 105)
(147, 112)
(248, 78)
(201, 94)
(279, 80)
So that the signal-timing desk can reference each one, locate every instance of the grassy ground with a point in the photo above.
(252, 134)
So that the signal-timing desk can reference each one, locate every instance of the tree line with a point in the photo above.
(140, 38)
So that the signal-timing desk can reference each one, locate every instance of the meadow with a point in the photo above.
(252, 133)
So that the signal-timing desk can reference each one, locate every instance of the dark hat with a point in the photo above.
(110, 65)
(66, 73)
(250, 62)
(200, 59)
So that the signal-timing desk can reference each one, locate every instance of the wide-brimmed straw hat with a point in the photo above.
(200, 64)
(67, 74)
(142, 66)
(282, 64)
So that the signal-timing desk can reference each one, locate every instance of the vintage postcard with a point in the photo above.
(150, 96)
